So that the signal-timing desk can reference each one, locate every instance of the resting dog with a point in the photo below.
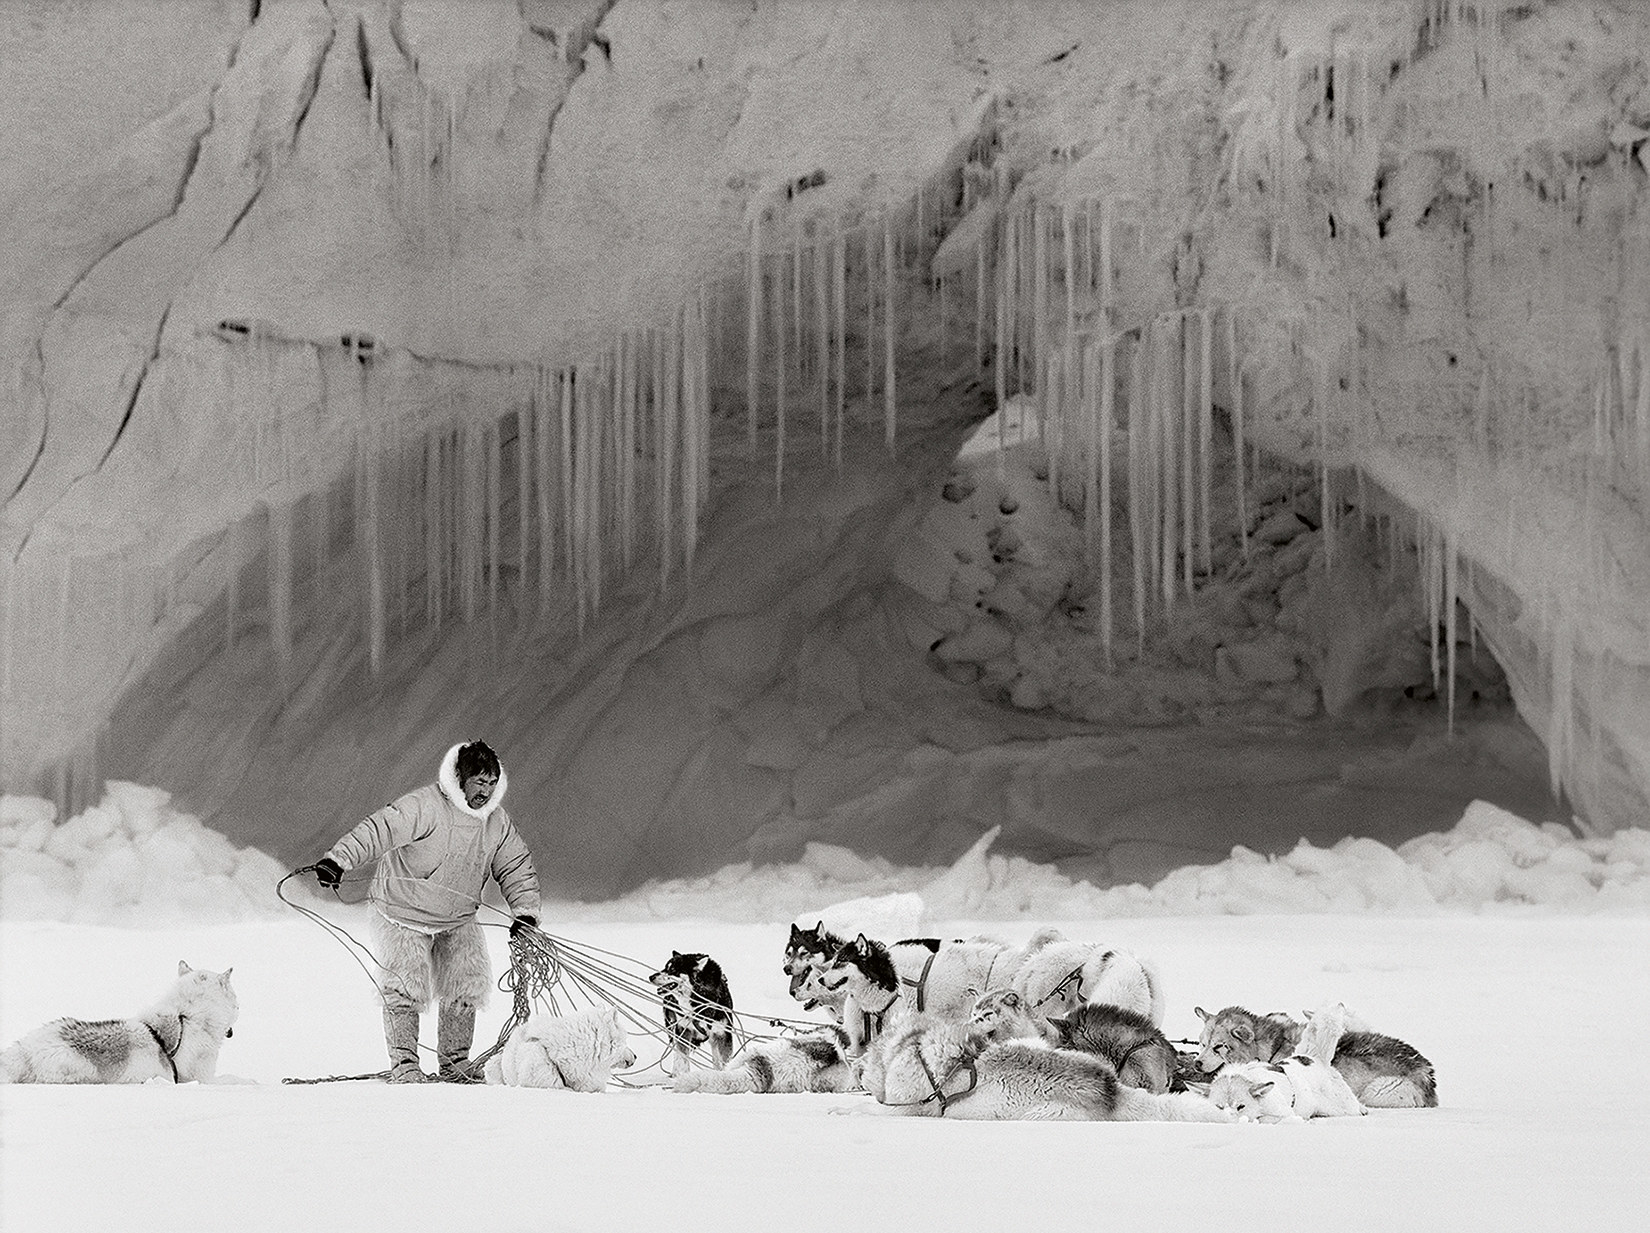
(579, 1051)
(813, 1062)
(177, 1040)
(1382, 1071)
(1062, 975)
(1132, 1043)
(929, 1067)
(931, 975)
(698, 1008)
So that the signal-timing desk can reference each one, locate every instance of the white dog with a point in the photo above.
(1061, 976)
(177, 1040)
(579, 1051)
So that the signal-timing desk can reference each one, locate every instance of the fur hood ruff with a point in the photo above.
(447, 780)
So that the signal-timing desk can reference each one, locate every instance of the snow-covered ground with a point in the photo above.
(1515, 959)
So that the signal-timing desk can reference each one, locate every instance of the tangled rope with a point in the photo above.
(558, 975)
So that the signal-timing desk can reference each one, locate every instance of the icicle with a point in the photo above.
(1166, 399)
(627, 447)
(1234, 382)
(979, 305)
(524, 495)
(1106, 378)
(541, 474)
(1561, 715)
(753, 331)
(1000, 363)
(434, 556)
(1037, 217)
(370, 523)
(822, 345)
(1206, 435)
(889, 411)
(571, 493)
(677, 417)
(870, 317)
(1188, 454)
(493, 462)
(839, 279)
(1069, 353)
(279, 565)
(1450, 567)
(797, 317)
(779, 384)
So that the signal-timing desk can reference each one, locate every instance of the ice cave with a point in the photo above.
(1130, 431)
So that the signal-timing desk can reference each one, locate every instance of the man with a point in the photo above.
(438, 845)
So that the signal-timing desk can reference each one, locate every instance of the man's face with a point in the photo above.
(478, 789)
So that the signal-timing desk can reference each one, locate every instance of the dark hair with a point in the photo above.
(475, 758)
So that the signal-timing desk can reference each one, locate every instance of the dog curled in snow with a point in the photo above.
(1061, 976)
(1134, 1045)
(927, 1066)
(578, 1051)
(1292, 1090)
(1002, 1015)
(815, 1061)
(698, 1008)
(177, 1040)
(1382, 1071)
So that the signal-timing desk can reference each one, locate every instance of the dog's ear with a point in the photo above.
(1062, 1025)
(1244, 1032)
(1257, 1090)
(223, 977)
(819, 927)
(1202, 1014)
(795, 932)
(703, 961)
(183, 968)
(1011, 999)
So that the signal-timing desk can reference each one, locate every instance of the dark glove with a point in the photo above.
(521, 923)
(328, 872)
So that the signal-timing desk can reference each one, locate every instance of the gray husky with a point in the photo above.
(928, 1067)
(1382, 1071)
(177, 1040)
(1132, 1043)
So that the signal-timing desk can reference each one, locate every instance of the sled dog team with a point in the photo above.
(975, 1028)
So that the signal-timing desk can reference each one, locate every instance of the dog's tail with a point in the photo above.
(723, 1082)
(1133, 1105)
(14, 1065)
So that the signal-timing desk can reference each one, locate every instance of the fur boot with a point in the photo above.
(455, 1030)
(401, 1038)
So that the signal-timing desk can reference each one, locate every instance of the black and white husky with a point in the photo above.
(177, 1040)
(698, 1008)
(813, 1062)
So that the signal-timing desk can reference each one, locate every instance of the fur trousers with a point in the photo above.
(451, 967)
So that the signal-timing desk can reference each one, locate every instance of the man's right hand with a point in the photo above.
(329, 872)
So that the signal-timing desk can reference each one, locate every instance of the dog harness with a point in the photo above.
(1076, 974)
(921, 983)
(171, 1055)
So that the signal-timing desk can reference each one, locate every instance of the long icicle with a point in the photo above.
(1206, 433)
(889, 411)
(753, 331)
(1188, 454)
(676, 419)
(545, 488)
(822, 345)
(568, 477)
(1234, 384)
(524, 491)
(839, 279)
(1106, 377)
(781, 302)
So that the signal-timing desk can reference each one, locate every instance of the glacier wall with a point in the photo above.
(402, 345)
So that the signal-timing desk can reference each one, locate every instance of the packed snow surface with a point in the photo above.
(1495, 942)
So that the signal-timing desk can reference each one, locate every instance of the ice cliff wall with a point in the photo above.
(374, 369)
